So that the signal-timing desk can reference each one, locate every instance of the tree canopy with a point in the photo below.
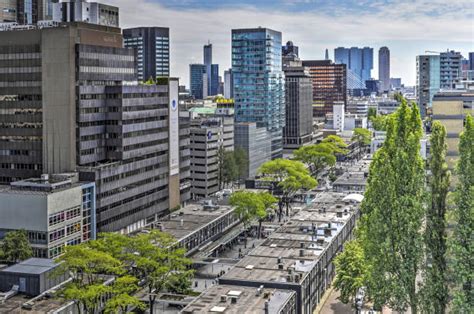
(318, 156)
(16, 247)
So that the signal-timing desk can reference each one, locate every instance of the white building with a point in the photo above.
(85, 11)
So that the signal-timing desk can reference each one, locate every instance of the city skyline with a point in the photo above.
(318, 27)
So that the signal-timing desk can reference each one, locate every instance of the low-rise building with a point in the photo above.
(55, 211)
(299, 255)
(351, 182)
(238, 300)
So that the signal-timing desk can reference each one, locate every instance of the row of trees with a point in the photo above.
(401, 254)
(149, 258)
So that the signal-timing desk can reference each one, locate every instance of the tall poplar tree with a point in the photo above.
(435, 289)
(390, 228)
(462, 242)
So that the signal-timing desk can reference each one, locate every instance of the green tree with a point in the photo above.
(318, 156)
(362, 137)
(461, 246)
(337, 143)
(290, 176)
(16, 247)
(242, 162)
(379, 122)
(392, 214)
(228, 171)
(435, 291)
(123, 288)
(351, 271)
(372, 112)
(250, 206)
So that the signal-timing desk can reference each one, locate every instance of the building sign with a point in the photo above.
(173, 128)
(209, 135)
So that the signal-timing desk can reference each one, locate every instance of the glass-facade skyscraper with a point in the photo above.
(359, 62)
(427, 80)
(197, 78)
(153, 50)
(259, 90)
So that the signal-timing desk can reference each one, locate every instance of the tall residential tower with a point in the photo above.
(384, 69)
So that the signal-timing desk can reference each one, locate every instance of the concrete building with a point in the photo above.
(427, 80)
(451, 108)
(395, 82)
(55, 211)
(384, 69)
(259, 90)
(450, 68)
(84, 11)
(152, 46)
(298, 128)
(299, 255)
(209, 134)
(338, 117)
(239, 300)
(340, 120)
(290, 49)
(84, 112)
(329, 85)
(8, 11)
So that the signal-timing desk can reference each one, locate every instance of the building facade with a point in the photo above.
(298, 128)
(228, 84)
(290, 49)
(450, 68)
(84, 11)
(427, 80)
(259, 91)
(55, 212)
(197, 81)
(8, 11)
(384, 69)
(211, 135)
(329, 85)
(88, 118)
(359, 61)
(152, 46)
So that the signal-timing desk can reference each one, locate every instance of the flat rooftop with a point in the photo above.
(217, 299)
(182, 223)
(352, 179)
(298, 245)
(31, 266)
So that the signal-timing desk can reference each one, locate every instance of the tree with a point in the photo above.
(372, 112)
(290, 176)
(337, 143)
(242, 162)
(351, 271)
(435, 290)
(361, 137)
(228, 170)
(318, 156)
(250, 206)
(122, 288)
(461, 246)
(379, 122)
(392, 213)
(16, 247)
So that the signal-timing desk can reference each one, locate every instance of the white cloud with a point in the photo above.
(404, 27)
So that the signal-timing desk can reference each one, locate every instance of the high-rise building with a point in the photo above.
(152, 46)
(290, 49)
(384, 69)
(329, 85)
(427, 80)
(298, 128)
(471, 61)
(8, 11)
(450, 68)
(359, 61)
(84, 11)
(228, 84)
(395, 82)
(198, 80)
(212, 72)
(71, 111)
(28, 11)
(259, 90)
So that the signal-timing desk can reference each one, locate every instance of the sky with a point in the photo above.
(407, 27)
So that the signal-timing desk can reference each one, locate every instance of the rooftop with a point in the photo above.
(33, 266)
(44, 185)
(352, 178)
(247, 300)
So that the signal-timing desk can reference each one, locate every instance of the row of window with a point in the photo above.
(21, 166)
(64, 215)
(20, 98)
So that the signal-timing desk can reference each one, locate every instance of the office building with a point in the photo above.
(83, 11)
(152, 45)
(228, 84)
(395, 83)
(451, 108)
(471, 61)
(210, 133)
(8, 11)
(384, 69)
(184, 155)
(55, 211)
(298, 127)
(290, 49)
(359, 61)
(427, 80)
(329, 85)
(198, 81)
(83, 113)
(450, 68)
(212, 71)
(259, 90)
